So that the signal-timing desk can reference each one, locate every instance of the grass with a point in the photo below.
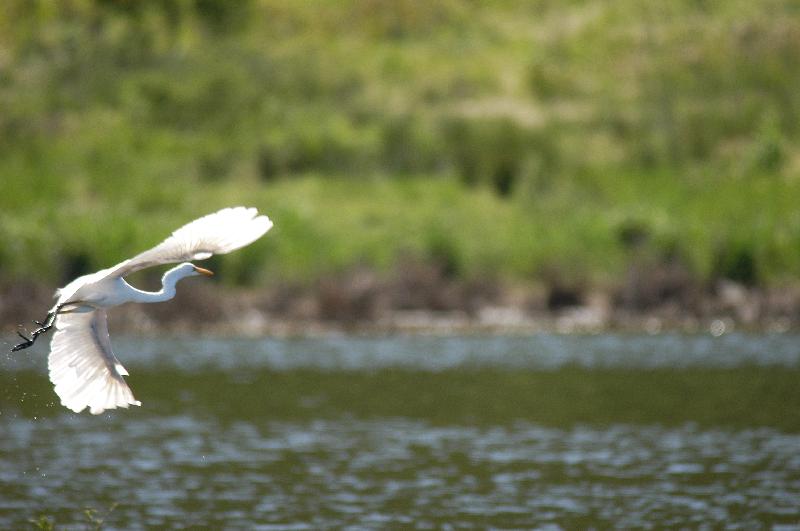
(327, 225)
(526, 140)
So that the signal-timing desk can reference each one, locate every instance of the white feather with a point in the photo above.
(83, 367)
(218, 233)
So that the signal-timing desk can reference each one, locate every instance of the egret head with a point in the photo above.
(187, 269)
(174, 275)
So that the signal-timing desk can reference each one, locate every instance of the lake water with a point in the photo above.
(545, 431)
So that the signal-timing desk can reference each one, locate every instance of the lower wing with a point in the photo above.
(83, 367)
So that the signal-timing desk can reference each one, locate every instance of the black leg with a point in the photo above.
(43, 327)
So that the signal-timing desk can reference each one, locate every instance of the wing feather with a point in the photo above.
(83, 367)
(221, 232)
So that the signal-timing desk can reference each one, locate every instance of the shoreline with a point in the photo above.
(335, 308)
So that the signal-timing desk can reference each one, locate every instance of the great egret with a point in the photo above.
(81, 364)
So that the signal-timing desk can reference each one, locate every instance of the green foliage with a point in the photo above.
(93, 517)
(516, 137)
(45, 523)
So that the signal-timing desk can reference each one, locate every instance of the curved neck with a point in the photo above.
(167, 291)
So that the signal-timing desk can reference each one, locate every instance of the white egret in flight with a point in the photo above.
(81, 364)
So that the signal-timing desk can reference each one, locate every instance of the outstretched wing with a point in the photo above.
(218, 233)
(82, 366)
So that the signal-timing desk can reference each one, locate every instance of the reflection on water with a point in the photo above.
(309, 434)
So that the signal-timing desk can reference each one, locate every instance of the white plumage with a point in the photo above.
(81, 364)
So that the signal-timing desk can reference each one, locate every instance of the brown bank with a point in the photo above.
(419, 298)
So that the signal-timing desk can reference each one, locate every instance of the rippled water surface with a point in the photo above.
(506, 432)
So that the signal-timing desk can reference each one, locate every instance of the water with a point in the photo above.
(542, 431)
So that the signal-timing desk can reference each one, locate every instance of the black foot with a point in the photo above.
(25, 344)
(43, 327)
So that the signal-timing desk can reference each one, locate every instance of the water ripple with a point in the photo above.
(392, 472)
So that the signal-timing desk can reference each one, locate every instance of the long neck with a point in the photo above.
(167, 291)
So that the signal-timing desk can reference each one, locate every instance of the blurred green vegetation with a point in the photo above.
(523, 139)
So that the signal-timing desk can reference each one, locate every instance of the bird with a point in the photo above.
(81, 363)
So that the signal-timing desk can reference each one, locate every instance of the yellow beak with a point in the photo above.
(202, 271)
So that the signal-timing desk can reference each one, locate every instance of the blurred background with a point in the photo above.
(624, 157)
(519, 167)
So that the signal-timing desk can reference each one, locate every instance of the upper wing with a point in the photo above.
(82, 366)
(218, 233)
